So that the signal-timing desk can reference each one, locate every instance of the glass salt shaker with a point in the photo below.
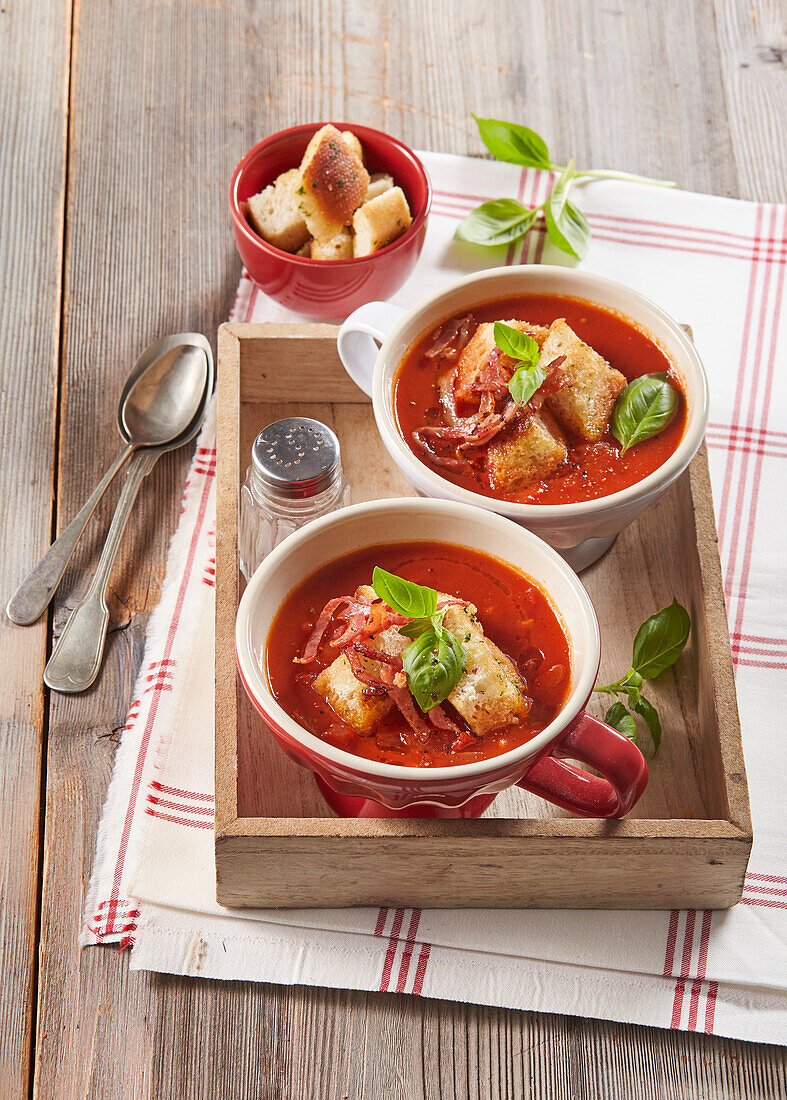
(295, 476)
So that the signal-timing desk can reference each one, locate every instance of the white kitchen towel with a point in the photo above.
(717, 263)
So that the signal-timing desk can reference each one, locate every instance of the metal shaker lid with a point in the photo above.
(296, 457)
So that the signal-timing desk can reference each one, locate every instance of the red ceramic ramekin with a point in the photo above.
(355, 786)
(328, 290)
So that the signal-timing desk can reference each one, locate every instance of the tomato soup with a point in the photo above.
(515, 615)
(590, 469)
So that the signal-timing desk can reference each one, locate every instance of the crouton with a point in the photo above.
(275, 213)
(377, 185)
(305, 249)
(584, 405)
(380, 221)
(476, 354)
(334, 183)
(525, 452)
(353, 144)
(339, 247)
(490, 693)
(353, 701)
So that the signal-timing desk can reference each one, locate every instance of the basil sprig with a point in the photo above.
(435, 660)
(643, 409)
(503, 221)
(658, 643)
(526, 379)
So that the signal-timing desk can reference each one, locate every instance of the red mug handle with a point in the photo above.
(622, 765)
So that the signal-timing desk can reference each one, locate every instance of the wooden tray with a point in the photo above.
(686, 843)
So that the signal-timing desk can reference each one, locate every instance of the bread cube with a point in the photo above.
(377, 185)
(353, 144)
(305, 249)
(525, 452)
(584, 404)
(354, 702)
(380, 221)
(334, 183)
(476, 352)
(276, 215)
(339, 247)
(490, 693)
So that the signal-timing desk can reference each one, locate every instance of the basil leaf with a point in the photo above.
(632, 685)
(643, 409)
(416, 627)
(405, 597)
(648, 713)
(661, 640)
(515, 343)
(513, 143)
(500, 221)
(524, 383)
(434, 664)
(567, 226)
(619, 718)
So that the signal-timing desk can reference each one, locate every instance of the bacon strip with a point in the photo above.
(361, 673)
(406, 704)
(450, 338)
(314, 639)
(392, 659)
(441, 721)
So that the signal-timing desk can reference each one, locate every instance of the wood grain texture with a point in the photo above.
(166, 97)
(33, 113)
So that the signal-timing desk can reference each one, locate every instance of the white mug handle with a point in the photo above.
(357, 336)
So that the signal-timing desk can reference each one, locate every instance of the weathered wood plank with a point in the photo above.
(33, 108)
(166, 98)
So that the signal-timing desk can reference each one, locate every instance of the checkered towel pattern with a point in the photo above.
(716, 263)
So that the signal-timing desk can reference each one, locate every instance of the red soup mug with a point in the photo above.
(357, 787)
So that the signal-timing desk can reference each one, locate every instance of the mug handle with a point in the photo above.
(356, 340)
(593, 742)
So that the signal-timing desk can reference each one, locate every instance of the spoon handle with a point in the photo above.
(34, 593)
(76, 659)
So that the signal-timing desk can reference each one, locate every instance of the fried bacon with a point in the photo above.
(450, 338)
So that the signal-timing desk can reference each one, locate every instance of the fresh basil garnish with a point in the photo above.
(435, 660)
(567, 226)
(434, 664)
(404, 597)
(619, 718)
(649, 715)
(661, 640)
(643, 409)
(500, 221)
(518, 345)
(515, 343)
(658, 643)
(513, 143)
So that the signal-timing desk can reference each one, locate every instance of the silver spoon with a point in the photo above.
(76, 659)
(166, 377)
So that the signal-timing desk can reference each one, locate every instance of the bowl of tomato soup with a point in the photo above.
(557, 398)
(420, 656)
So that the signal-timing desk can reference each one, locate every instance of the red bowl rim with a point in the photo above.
(309, 127)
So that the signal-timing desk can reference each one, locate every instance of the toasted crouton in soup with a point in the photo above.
(490, 692)
(380, 221)
(352, 700)
(333, 183)
(276, 215)
(526, 452)
(476, 354)
(584, 404)
(339, 247)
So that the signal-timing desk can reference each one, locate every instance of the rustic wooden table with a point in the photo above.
(120, 126)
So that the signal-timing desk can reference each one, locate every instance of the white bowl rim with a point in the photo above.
(696, 421)
(255, 679)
